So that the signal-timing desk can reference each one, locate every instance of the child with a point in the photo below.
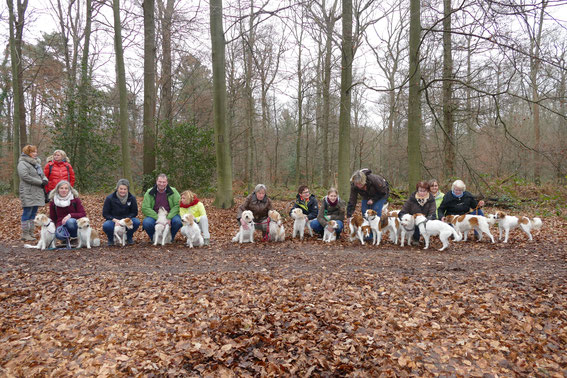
(190, 204)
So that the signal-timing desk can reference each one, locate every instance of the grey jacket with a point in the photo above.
(31, 178)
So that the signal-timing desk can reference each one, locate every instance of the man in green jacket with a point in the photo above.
(161, 195)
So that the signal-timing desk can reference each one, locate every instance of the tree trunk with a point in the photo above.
(344, 117)
(149, 138)
(299, 107)
(250, 100)
(223, 198)
(123, 93)
(19, 25)
(167, 96)
(449, 137)
(414, 110)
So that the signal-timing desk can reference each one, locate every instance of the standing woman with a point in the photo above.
(65, 208)
(438, 194)
(58, 168)
(119, 205)
(32, 181)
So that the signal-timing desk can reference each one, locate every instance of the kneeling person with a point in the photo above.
(119, 205)
(190, 204)
(161, 195)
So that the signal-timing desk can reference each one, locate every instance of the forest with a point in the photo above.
(304, 92)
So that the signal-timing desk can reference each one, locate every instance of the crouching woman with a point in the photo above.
(332, 208)
(65, 208)
(119, 205)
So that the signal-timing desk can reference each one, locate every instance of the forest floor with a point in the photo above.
(292, 308)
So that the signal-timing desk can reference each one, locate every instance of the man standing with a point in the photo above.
(161, 195)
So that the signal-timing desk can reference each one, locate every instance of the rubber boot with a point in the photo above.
(26, 234)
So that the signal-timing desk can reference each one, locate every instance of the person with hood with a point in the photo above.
(64, 209)
(119, 205)
(306, 202)
(332, 208)
(32, 182)
(190, 204)
(58, 168)
(421, 201)
(373, 189)
(161, 195)
(259, 203)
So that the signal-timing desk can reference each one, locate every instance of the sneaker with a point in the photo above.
(206, 241)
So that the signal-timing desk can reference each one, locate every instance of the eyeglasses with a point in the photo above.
(305, 192)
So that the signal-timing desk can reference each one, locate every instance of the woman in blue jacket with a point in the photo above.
(119, 205)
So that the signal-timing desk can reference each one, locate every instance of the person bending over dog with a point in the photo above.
(119, 205)
(64, 210)
(190, 204)
(259, 203)
(161, 195)
(373, 189)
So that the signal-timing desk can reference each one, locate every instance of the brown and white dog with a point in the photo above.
(47, 233)
(277, 231)
(300, 220)
(510, 222)
(466, 222)
(191, 231)
(355, 226)
(435, 227)
(330, 234)
(86, 235)
(120, 229)
(381, 225)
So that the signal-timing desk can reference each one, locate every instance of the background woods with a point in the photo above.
(126, 88)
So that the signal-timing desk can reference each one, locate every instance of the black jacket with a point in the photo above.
(411, 206)
(452, 205)
(113, 208)
(311, 209)
(377, 188)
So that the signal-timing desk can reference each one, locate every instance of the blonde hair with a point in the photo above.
(29, 149)
(63, 156)
(458, 184)
(332, 190)
(358, 177)
(190, 195)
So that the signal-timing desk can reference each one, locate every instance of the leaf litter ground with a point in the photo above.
(293, 308)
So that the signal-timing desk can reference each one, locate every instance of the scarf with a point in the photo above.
(63, 201)
(122, 199)
(195, 201)
(332, 203)
(421, 200)
(456, 196)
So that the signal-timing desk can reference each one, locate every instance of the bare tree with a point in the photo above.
(449, 140)
(346, 83)
(414, 103)
(149, 86)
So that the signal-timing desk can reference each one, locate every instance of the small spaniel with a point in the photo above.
(299, 222)
(87, 236)
(510, 222)
(466, 222)
(381, 225)
(330, 234)
(47, 233)
(246, 232)
(121, 228)
(355, 226)
(276, 231)
(429, 228)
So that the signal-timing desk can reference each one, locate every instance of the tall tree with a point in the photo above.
(223, 198)
(123, 93)
(149, 87)
(414, 101)
(346, 83)
(449, 137)
(166, 12)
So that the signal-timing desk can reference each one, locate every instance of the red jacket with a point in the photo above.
(60, 170)
(75, 208)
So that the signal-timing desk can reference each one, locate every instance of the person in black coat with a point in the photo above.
(119, 205)
(421, 201)
(458, 202)
(306, 202)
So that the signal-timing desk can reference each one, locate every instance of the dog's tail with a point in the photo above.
(457, 236)
(96, 242)
(537, 223)
(31, 246)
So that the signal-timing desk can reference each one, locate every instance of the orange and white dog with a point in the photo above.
(330, 235)
(381, 225)
(191, 231)
(120, 229)
(466, 222)
(435, 227)
(86, 235)
(359, 228)
(300, 220)
(510, 222)
(277, 231)
(47, 233)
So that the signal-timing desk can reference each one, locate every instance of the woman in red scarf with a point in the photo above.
(190, 204)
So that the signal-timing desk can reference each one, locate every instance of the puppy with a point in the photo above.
(510, 222)
(330, 234)
(162, 229)
(86, 235)
(355, 227)
(381, 225)
(299, 223)
(429, 228)
(47, 233)
(277, 231)
(121, 228)
(191, 231)
(464, 223)
(246, 232)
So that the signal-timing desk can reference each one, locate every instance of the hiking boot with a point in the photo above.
(206, 242)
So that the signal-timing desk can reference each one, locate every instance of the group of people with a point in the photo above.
(55, 183)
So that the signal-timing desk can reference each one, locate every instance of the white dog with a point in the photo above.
(191, 231)
(246, 232)
(299, 223)
(162, 229)
(429, 228)
(277, 231)
(509, 222)
(466, 222)
(330, 234)
(407, 226)
(86, 235)
(121, 228)
(47, 234)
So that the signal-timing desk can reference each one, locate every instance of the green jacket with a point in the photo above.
(149, 202)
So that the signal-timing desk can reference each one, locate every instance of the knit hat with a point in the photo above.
(123, 181)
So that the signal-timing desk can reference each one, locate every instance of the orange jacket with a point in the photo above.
(56, 171)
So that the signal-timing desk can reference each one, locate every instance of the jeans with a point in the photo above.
(108, 228)
(376, 206)
(72, 227)
(318, 228)
(149, 225)
(29, 213)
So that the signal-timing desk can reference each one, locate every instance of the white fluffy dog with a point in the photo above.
(87, 236)
(121, 228)
(330, 234)
(407, 226)
(509, 222)
(277, 231)
(299, 223)
(466, 222)
(47, 233)
(429, 228)
(246, 232)
(162, 229)
(191, 231)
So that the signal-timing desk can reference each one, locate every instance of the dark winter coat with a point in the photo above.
(411, 206)
(311, 208)
(377, 188)
(60, 170)
(452, 205)
(259, 208)
(114, 209)
(31, 180)
(328, 212)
